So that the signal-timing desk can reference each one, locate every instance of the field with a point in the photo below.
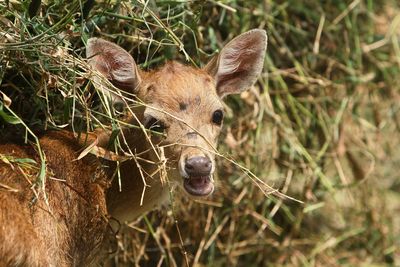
(321, 126)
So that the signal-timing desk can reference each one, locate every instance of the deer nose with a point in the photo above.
(198, 166)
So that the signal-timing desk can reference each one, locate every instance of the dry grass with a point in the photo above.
(322, 124)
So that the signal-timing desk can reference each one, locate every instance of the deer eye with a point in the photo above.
(217, 117)
(154, 124)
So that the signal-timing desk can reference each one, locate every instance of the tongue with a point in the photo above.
(198, 181)
(198, 185)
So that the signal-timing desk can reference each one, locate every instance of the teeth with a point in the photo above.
(199, 186)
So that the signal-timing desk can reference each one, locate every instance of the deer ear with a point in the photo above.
(114, 63)
(239, 63)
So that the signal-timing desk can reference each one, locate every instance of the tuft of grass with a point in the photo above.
(322, 123)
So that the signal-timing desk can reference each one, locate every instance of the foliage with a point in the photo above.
(321, 125)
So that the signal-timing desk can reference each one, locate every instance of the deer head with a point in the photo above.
(183, 102)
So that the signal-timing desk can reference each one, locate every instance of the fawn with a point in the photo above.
(182, 102)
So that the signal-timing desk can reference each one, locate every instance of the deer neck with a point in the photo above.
(135, 191)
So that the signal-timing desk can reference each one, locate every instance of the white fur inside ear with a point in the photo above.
(124, 71)
(114, 63)
(230, 62)
(231, 59)
(240, 62)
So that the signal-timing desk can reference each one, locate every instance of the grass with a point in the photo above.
(322, 124)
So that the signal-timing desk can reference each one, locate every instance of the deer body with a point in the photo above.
(182, 102)
(37, 234)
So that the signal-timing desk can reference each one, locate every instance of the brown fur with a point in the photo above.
(77, 220)
(164, 89)
(82, 194)
(66, 232)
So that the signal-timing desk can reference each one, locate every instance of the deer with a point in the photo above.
(182, 102)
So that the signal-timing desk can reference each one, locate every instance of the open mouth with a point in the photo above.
(198, 185)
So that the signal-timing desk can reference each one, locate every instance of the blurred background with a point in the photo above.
(321, 125)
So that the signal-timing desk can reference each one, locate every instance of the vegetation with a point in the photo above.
(321, 125)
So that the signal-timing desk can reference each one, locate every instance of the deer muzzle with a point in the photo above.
(198, 176)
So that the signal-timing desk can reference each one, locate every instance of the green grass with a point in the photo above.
(322, 124)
